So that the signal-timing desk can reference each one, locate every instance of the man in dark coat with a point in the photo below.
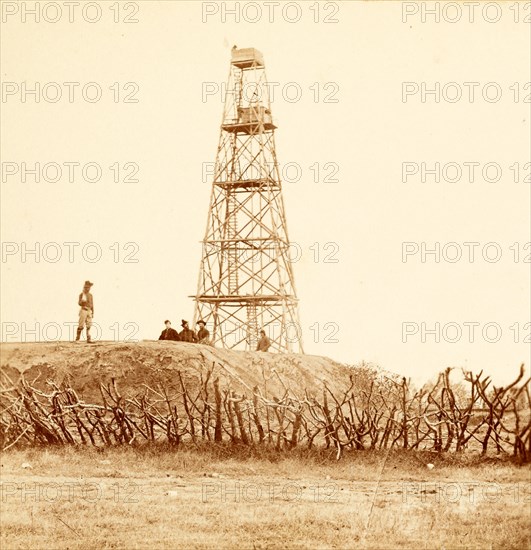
(169, 333)
(187, 334)
(86, 303)
(264, 343)
(203, 336)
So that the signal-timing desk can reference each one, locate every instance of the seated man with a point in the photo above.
(203, 336)
(169, 333)
(187, 334)
(264, 343)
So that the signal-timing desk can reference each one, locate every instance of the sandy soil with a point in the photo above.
(134, 365)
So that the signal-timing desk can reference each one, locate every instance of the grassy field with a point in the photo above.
(217, 498)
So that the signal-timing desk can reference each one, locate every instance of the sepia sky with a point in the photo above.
(359, 137)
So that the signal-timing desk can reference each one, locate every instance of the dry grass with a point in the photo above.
(221, 497)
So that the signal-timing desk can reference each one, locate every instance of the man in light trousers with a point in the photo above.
(86, 303)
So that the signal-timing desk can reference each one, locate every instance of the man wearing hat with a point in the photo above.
(187, 334)
(86, 312)
(203, 336)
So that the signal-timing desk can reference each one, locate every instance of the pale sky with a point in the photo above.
(380, 305)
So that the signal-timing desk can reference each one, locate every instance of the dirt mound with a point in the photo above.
(136, 366)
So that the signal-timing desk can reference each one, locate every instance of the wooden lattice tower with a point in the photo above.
(246, 279)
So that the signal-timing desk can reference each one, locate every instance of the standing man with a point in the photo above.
(86, 313)
(264, 343)
(169, 333)
(203, 336)
(187, 334)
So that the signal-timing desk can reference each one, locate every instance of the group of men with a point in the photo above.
(202, 336)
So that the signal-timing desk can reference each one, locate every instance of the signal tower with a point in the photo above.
(246, 279)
